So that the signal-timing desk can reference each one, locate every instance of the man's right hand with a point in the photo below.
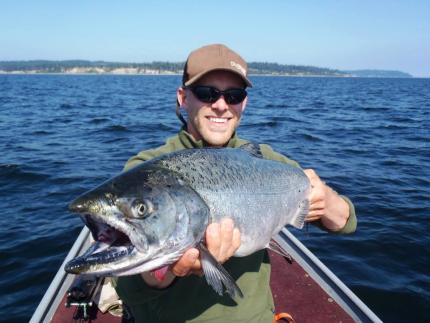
(222, 241)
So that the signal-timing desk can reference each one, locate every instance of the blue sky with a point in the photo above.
(376, 34)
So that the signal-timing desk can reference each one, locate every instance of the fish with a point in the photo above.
(145, 218)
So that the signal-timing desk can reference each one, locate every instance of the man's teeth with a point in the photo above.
(218, 120)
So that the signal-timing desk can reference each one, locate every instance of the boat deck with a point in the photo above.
(294, 292)
(305, 288)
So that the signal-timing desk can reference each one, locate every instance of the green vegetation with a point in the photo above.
(44, 66)
(378, 73)
(278, 69)
(256, 68)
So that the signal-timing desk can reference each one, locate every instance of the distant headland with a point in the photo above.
(166, 68)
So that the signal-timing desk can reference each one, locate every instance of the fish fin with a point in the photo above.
(253, 149)
(216, 275)
(302, 212)
(276, 248)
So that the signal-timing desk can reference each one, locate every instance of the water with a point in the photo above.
(368, 138)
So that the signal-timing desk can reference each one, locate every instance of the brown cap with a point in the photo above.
(213, 58)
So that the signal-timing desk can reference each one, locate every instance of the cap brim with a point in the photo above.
(200, 75)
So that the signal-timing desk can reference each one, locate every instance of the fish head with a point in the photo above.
(140, 220)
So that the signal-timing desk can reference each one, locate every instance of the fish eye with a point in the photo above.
(143, 208)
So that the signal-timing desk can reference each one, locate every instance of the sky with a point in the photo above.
(349, 34)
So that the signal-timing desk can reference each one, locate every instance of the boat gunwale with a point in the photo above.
(61, 282)
(325, 278)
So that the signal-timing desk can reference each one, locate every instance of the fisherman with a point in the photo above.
(213, 95)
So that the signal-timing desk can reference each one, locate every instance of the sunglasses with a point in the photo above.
(210, 94)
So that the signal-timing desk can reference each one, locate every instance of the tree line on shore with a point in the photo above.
(47, 66)
(158, 67)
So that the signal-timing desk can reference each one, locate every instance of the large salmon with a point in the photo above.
(147, 217)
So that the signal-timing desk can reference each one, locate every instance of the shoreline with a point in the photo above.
(162, 74)
(84, 67)
(179, 74)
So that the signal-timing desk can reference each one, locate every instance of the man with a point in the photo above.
(213, 95)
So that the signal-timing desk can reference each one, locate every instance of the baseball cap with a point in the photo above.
(215, 57)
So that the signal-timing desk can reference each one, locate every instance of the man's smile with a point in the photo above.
(220, 120)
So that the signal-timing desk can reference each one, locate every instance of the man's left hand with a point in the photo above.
(325, 204)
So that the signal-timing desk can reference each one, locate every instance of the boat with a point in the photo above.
(304, 290)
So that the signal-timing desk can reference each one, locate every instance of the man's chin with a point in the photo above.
(217, 138)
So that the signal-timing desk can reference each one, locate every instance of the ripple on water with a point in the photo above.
(368, 138)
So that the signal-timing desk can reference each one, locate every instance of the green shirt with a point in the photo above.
(191, 299)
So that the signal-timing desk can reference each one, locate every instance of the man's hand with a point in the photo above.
(325, 204)
(222, 241)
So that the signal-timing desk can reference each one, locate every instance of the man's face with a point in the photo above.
(215, 122)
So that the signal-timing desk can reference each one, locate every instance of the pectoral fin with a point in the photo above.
(216, 275)
(299, 220)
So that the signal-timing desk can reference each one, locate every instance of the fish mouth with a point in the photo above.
(111, 246)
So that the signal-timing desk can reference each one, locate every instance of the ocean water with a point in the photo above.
(368, 138)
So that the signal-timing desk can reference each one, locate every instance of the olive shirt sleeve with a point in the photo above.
(351, 223)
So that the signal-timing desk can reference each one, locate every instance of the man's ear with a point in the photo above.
(181, 96)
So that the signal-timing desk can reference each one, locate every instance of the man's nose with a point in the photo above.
(220, 104)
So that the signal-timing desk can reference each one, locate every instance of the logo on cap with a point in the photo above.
(238, 66)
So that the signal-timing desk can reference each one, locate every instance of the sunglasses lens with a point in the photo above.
(209, 94)
(235, 96)
(206, 94)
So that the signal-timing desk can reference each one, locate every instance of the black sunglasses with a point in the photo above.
(210, 94)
